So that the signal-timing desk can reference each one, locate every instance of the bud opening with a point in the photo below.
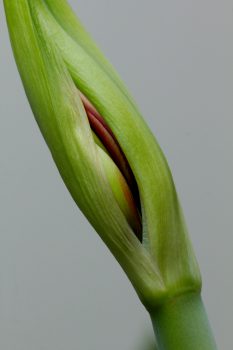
(104, 133)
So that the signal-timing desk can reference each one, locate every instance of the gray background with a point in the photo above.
(60, 288)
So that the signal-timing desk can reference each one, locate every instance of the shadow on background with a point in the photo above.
(147, 343)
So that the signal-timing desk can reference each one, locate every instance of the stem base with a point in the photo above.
(182, 324)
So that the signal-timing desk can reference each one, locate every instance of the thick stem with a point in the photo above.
(182, 324)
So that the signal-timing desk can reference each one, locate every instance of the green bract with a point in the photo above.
(57, 60)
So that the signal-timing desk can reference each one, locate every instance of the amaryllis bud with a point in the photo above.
(104, 151)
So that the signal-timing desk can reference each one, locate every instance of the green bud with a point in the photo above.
(112, 165)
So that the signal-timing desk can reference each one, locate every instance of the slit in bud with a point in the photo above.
(128, 182)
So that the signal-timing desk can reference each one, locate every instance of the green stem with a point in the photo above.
(182, 324)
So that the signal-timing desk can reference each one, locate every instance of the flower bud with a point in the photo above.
(107, 156)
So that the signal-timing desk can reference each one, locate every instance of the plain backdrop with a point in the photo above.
(60, 288)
